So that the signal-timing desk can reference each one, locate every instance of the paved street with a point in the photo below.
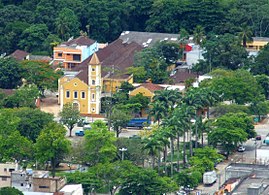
(246, 157)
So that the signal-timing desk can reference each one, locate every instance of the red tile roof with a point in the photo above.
(82, 40)
(19, 54)
(116, 55)
(151, 86)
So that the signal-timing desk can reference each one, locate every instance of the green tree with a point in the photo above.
(67, 23)
(10, 191)
(245, 34)
(152, 147)
(222, 109)
(134, 151)
(239, 86)
(156, 60)
(51, 144)
(229, 139)
(224, 51)
(204, 159)
(146, 181)
(237, 121)
(99, 144)
(10, 73)
(186, 178)
(139, 72)
(69, 116)
(41, 74)
(259, 108)
(32, 121)
(15, 146)
(34, 37)
(157, 111)
(119, 119)
(25, 96)
(263, 81)
(260, 66)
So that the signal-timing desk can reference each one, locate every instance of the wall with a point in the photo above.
(79, 86)
(5, 174)
(21, 181)
(48, 184)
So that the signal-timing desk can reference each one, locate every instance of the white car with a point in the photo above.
(241, 149)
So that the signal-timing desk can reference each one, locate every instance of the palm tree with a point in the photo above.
(152, 146)
(198, 35)
(245, 34)
(61, 27)
(194, 98)
(169, 98)
(157, 111)
(162, 135)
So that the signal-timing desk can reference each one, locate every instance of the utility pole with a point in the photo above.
(255, 160)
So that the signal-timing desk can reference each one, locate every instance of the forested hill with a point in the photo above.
(37, 25)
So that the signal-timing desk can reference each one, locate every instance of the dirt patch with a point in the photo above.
(50, 105)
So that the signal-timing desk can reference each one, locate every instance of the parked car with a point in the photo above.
(80, 133)
(209, 177)
(258, 137)
(241, 149)
(181, 192)
(87, 127)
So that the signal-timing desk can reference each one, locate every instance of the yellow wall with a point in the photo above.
(111, 85)
(256, 45)
(79, 86)
(144, 91)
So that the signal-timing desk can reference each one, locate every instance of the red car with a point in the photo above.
(258, 137)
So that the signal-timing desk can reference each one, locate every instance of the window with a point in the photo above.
(76, 57)
(21, 184)
(93, 69)
(75, 94)
(43, 186)
(93, 82)
(83, 94)
(93, 97)
(60, 54)
(5, 169)
(67, 94)
(10, 170)
(4, 178)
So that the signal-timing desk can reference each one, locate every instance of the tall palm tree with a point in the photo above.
(162, 135)
(152, 146)
(245, 34)
(198, 36)
(157, 111)
(169, 98)
(194, 98)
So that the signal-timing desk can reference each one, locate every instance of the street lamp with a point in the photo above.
(122, 152)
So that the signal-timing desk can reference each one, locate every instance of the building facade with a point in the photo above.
(70, 54)
(5, 173)
(83, 90)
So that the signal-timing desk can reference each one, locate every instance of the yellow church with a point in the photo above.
(82, 89)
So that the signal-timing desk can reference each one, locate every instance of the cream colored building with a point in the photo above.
(5, 173)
